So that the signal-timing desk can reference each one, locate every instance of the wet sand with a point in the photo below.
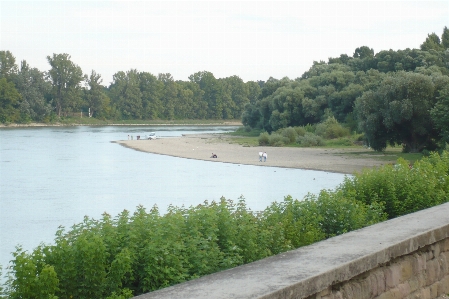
(201, 147)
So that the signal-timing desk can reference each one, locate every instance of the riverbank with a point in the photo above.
(155, 123)
(201, 147)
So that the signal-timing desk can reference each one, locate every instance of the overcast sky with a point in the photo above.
(254, 40)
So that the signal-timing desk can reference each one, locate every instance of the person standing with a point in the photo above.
(260, 156)
(264, 156)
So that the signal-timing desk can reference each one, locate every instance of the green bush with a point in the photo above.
(278, 140)
(264, 138)
(300, 131)
(290, 133)
(310, 139)
(330, 129)
(401, 188)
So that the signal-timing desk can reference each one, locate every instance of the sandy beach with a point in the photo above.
(201, 147)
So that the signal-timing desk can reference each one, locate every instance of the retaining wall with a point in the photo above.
(406, 257)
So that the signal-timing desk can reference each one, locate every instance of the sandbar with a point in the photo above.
(201, 147)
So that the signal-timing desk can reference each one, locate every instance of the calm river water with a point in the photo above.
(54, 176)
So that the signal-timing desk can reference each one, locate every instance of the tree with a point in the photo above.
(199, 106)
(8, 65)
(66, 78)
(35, 92)
(398, 112)
(432, 42)
(97, 100)
(169, 97)
(363, 52)
(445, 38)
(440, 113)
(213, 92)
(152, 91)
(126, 94)
(9, 99)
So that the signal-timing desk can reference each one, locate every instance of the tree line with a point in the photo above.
(393, 97)
(28, 94)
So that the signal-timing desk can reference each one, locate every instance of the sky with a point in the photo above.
(254, 40)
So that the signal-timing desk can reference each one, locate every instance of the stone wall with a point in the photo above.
(420, 274)
(406, 257)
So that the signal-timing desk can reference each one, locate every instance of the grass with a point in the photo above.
(391, 154)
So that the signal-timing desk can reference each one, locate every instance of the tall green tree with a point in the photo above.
(8, 65)
(440, 112)
(445, 38)
(238, 94)
(432, 42)
(9, 100)
(213, 92)
(126, 94)
(97, 100)
(170, 95)
(66, 77)
(35, 104)
(152, 91)
(398, 112)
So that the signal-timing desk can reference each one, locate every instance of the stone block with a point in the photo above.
(445, 246)
(380, 278)
(357, 290)
(443, 286)
(433, 289)
(414, 284)
(391, 294)
(433, 270)
(425, 294)
(406, 269)
(347, 291)
(338, 295)
(422, 278)
(442, 266)
(422, 262)
(372, 284)
(392, 276)
(445, 261)
(404, 289)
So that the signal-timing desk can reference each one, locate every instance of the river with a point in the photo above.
(52, 176)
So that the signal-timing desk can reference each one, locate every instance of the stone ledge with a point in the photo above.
(309, 270)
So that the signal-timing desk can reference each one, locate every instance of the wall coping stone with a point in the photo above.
(310, 269)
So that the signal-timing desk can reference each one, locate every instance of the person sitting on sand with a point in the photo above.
(214, 156)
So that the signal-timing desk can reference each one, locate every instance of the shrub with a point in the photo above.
(401, 188)
(276, 139)
(310, 139)
(330, 129)
(264, 138)
(300, 131)
(290, 133)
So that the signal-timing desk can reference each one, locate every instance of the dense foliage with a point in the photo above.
(144, 251)
(393, 97)
(27, 94)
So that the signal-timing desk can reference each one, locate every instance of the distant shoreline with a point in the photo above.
(224, 123)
